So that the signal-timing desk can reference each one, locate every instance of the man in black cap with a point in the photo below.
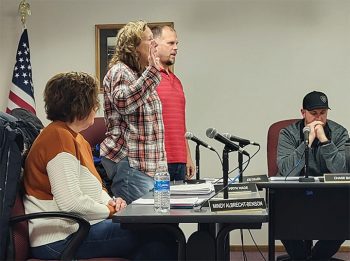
(326, 153)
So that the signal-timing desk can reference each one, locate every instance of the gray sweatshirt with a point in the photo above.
(328, 158)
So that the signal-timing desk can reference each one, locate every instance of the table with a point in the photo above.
(307, 210)
(201, 243)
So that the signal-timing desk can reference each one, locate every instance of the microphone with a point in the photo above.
(212, 133)
(306, 131)
(240, 140)
(190, 136)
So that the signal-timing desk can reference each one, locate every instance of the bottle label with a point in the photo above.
(162, 185)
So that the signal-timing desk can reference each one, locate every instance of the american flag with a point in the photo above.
(22, 91)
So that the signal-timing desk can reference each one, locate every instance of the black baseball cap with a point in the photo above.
(315, 100)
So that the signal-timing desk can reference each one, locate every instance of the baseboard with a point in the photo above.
(279, 248)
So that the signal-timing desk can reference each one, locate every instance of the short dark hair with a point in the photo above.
(70, 96)
(158, 30)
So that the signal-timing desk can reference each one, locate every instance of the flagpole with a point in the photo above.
(24, 11)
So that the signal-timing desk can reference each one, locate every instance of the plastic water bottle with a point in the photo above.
(162, 192)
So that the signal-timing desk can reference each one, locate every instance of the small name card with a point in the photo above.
(337, 178)
(237, 204)
(255, 178)
(239, 187)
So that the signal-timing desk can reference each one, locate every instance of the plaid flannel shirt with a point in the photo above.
(133, 115)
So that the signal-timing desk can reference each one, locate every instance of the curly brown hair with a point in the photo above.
(71, 96)
(128, 38)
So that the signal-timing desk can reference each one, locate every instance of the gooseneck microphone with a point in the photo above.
(306, 178)
(190, 136)
(306, 131)
(213, 134)
(242, 141)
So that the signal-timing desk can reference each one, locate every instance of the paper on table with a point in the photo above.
(212, 180)
(192, 189)
(290, 178)
(173, 201)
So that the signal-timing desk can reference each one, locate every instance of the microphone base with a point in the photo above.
(306, 179)
(199, 209)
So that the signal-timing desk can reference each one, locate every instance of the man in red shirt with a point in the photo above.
(170, 91)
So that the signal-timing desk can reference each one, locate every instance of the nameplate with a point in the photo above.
(255, 178)
(238, 187)
(337, 178)
(237, 204)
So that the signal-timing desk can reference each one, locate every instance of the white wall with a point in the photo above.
(244, 64)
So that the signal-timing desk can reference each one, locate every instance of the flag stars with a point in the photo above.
(22, 73)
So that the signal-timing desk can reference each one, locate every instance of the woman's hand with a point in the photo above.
(117, 203)
(153, 60)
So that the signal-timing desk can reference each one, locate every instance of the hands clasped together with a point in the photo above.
(117, 203)
(317, 131)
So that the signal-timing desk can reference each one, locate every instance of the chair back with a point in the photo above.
(96, 133)
(20, 235)
(19, 248)
(347, 155)
(272, 143)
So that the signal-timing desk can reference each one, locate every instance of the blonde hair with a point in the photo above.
(128, 38)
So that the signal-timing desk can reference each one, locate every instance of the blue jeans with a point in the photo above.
(107, 239)
(127, 183)
(177, 171)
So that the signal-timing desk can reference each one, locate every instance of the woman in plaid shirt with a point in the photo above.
(134, 147)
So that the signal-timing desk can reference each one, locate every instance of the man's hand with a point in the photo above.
(320, 134)
(317, 131)
(190, 169)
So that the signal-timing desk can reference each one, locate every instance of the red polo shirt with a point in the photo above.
(171, 94)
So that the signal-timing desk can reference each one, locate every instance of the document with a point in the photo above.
(192, 189)
(174, 202)
(292, 178)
